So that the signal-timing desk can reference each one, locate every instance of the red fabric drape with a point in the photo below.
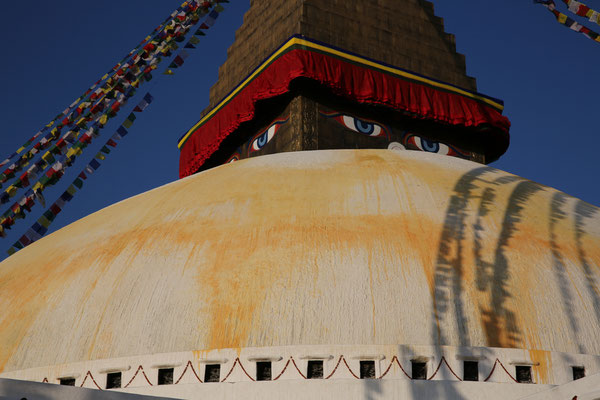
(357, 82)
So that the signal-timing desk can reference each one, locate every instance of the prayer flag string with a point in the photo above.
(107, 108)
(40, 227)
(139, 61)
(569, 22)
(80, 99)
(66, 155)
(583, 11)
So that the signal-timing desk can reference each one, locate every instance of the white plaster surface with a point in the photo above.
(351, 247)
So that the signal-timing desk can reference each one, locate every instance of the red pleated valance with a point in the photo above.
(348, 75)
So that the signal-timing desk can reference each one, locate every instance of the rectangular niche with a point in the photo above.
(523, 373)
(470, 371)
(314, 369)
(212, 373)
(113, 380)
(263, 370)
(67, 381)
(165, 376)
(367, 369)
(419, 369)
(578, 373)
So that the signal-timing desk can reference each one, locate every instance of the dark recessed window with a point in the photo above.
(263, 371)
(67, 381)
(315, 369)
(212, 373)
(523, 373)
(471, 371)
(367, 370)
(165, 376)
(578, 373)
(419, 370)
(113, 380)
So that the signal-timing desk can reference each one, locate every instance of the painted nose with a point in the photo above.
(395, 146)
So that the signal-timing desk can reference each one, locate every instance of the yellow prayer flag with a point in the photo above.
(100, 156)
(11, 190)
(37, 186)
(562, 18)
(50, 124)
(103, 119)
(73, 152)
(44, 221)
(20, 149)
(104, 76)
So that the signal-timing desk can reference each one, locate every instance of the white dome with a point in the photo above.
(311, 248)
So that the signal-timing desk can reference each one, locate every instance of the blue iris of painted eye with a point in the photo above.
(430, 146)
(363, 126)
(262, 140)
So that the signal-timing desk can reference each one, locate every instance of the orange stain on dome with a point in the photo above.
(258, 237)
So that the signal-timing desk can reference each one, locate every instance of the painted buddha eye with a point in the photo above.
(235, 157)
(431, 146)
(362, 126)
(261, 140)
(365, 127)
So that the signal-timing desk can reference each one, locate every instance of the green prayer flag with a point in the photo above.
(194, 40)
(105, 150)
(71, 190)
(48, 157)
(11, 251)
(18, 245)
(49, 215)
(78, 182)
(127, 123)
(44, 180)
(43, 221)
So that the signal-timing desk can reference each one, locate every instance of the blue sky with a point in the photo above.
(545, 73)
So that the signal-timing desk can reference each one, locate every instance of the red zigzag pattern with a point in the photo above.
(237, 361)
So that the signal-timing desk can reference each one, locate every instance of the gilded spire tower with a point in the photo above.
(313, 71)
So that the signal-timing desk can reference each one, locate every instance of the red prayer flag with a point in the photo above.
(55, 209)
(583, 10)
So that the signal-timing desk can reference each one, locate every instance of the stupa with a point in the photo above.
(336, 234)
